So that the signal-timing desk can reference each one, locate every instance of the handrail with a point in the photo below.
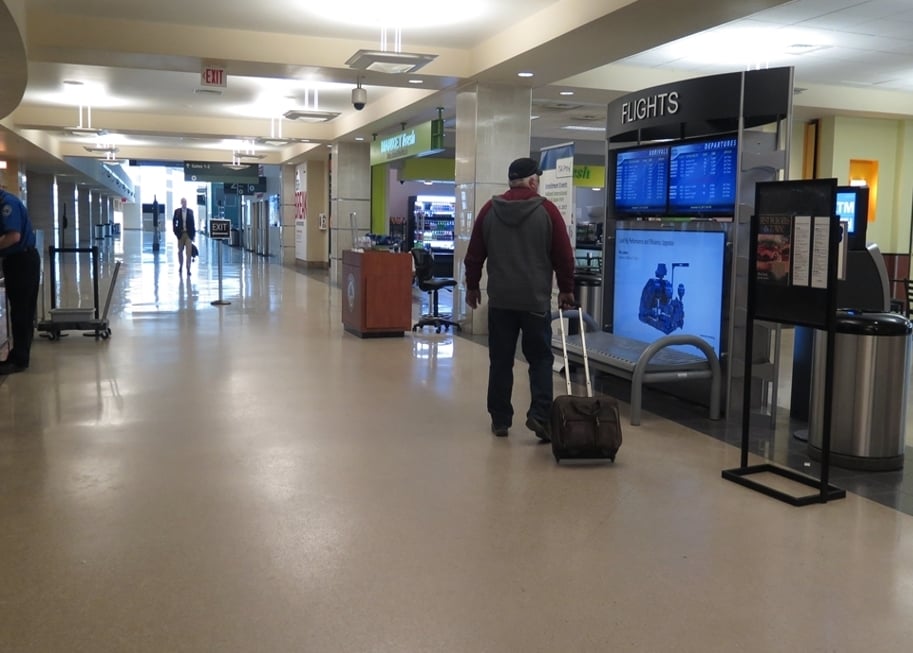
(640, 369)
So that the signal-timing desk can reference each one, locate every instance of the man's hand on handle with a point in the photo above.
(566, 300)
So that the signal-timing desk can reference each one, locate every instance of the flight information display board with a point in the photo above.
(703, 177)
(641, 180)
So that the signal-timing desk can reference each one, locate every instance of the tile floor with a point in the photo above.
(252, 478)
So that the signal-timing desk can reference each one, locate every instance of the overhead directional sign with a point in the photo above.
(219, 229)
(243, 173)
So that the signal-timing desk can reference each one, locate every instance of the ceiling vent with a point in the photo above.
(207, 91)
(558, 106)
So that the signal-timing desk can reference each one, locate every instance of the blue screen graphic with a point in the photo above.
(641, 180)
(846, 209)
(702, 177)
(669, 283)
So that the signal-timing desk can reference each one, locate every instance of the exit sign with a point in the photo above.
(213, 75)
(219, 229)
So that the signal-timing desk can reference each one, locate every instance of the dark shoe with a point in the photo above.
(543, 430)
(7, 367)
(180, 269)
(499, 431)
(188, 272)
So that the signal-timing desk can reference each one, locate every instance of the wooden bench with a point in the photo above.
(643, 362)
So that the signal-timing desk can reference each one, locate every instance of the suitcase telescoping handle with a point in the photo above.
(586, 360)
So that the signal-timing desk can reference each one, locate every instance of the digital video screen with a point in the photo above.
(703, 177)
(669, 282)
(641, 181)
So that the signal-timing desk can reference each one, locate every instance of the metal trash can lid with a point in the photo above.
(587, 279)
(872, 324)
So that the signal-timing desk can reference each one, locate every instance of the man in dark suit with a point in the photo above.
(183, 226)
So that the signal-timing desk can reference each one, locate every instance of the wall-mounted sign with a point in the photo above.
(421, 140)
(246, 173)
(213, 74)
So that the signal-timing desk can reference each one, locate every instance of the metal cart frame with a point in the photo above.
(96, 326)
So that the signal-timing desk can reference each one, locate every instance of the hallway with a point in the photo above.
(252, 478)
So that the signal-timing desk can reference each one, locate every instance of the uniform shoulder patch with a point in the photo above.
(7, 210)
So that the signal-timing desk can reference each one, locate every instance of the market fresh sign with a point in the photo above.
(417, 141)
(396, 143)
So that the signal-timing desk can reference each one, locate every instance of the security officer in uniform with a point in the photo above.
(22, 274)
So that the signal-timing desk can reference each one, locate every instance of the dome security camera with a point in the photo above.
(359, 98)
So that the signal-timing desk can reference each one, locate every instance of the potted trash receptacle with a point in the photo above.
(869, 404)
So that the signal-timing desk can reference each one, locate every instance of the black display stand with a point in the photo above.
(792, 279)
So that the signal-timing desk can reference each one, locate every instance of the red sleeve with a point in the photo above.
(562, 253)
(476, 252)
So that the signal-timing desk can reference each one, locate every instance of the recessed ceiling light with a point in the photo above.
(359, 138)
(416, 81)
(525, 73)
(534, 117)
(566, 93)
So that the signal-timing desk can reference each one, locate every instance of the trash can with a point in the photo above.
(99, 231)
(588, 292)
(235, 237)
(871, 378)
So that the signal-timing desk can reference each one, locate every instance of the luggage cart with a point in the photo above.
(78, 319)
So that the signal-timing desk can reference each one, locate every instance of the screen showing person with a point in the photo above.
(669, 282)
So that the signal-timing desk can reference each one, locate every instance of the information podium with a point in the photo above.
(376, 293)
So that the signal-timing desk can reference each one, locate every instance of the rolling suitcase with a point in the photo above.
(583, 427)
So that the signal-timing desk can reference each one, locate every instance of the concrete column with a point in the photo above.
(95, 210)
(350, 198)
(315, 184)
(66, 199)
(287, 215)
(83, 219)
(493, 129)
(42, 207)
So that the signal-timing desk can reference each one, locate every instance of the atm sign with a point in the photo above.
(213, 75)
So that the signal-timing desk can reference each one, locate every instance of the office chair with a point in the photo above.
(424, 275)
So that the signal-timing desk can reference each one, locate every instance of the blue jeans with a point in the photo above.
(504, 326)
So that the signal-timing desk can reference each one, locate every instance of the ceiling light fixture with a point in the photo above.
(565, 92)
(310, 115)
(525, 73)
(583, 128)
(395, 61)
(389, 62)
(416, 81)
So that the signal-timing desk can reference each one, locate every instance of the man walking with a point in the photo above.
(522, 239)
(184, 229)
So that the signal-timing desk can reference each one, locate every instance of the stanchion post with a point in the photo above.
(220, 301)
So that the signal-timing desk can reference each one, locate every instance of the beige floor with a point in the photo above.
(252, 478)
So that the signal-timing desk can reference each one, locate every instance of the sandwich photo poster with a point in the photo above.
(774, 249)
